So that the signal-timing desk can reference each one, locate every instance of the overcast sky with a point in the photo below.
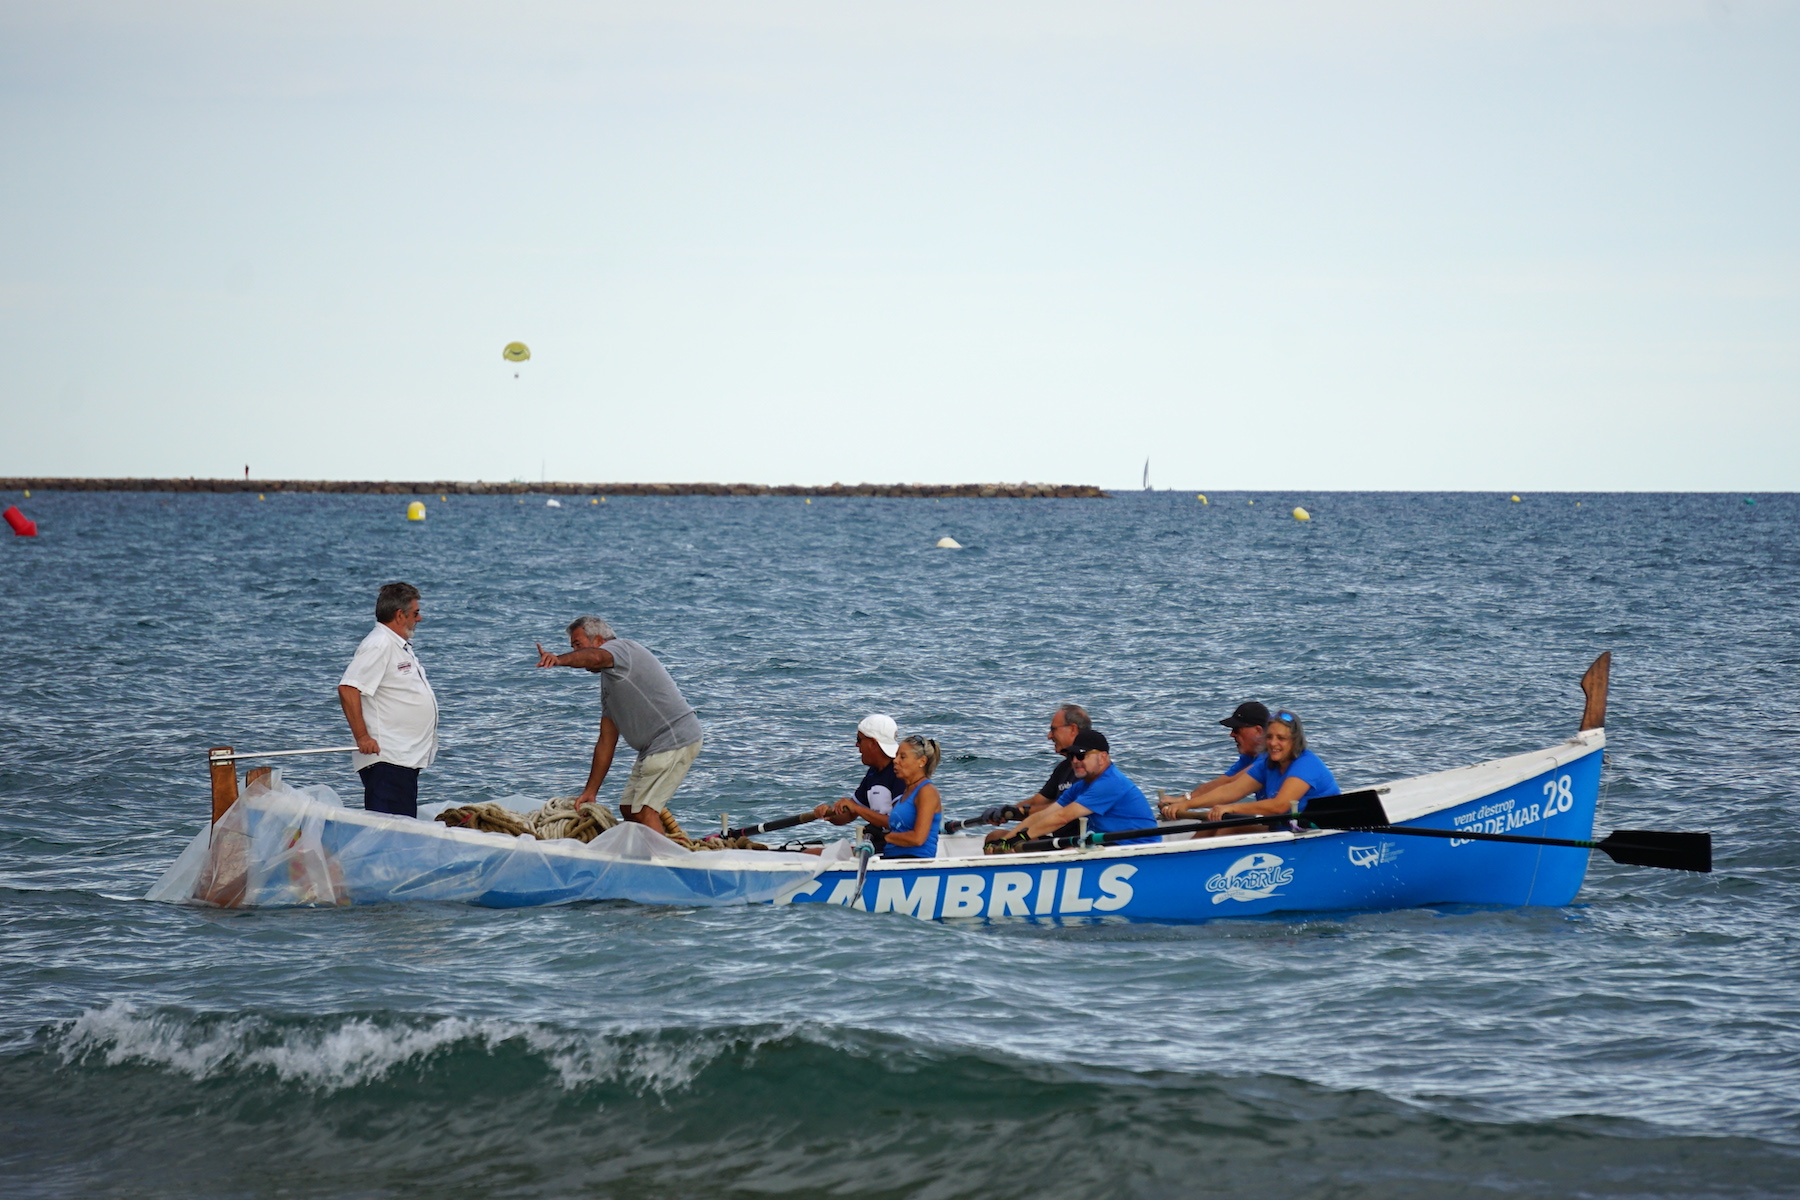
(1291, 244)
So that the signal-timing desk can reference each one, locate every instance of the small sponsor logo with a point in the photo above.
(1252, 877)
(1373, 856)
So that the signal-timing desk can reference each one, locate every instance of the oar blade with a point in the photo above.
(1659, 848)
(1352, 810)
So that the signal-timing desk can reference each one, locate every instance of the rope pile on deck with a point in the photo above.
(559, 818)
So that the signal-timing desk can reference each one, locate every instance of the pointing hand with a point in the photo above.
(545, 658)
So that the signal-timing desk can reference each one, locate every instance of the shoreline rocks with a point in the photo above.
(935, 491)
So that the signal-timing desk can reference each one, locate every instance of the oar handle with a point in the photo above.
(1347, 810)
(1008, 812)
(768, 826)
(1128, 835)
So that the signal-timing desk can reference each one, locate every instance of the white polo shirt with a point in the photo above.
(398, 705)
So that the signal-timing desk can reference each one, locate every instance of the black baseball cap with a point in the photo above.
(1089, 739)
(1247, 713)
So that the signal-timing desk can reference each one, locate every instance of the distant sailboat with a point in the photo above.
(1146, 474)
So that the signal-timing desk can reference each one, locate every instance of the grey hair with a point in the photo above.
(926, 748)
(394, 599)
(1074, 714)
(593, 627)
(1291, 723)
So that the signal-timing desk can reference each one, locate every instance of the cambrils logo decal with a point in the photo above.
(1252, 877)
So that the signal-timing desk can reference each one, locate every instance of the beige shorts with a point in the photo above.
(654, 778)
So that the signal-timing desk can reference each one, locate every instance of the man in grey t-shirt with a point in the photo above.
(640, 703)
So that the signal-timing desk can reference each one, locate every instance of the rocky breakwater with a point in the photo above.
(939, 491)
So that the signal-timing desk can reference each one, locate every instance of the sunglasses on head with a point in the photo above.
(1284, 716)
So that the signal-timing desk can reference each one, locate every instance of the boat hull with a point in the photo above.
(1271, 873)
(278, 848)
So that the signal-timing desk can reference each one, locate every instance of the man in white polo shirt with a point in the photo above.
(390, 706)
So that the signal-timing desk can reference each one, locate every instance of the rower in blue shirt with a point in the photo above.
(914, 819)
(1287, 772)
(1101, 793)
(1246, 724)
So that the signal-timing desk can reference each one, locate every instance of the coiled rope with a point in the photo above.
(559, 818)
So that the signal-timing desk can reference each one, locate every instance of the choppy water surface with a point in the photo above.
(1644, 1042)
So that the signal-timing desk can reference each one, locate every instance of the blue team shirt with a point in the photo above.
(901, 819)
(1308, 767)
(1244, 760)
(1115, 802)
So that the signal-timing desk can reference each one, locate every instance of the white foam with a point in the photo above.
(358, 1050)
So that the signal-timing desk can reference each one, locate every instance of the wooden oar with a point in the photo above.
(1633, 847)
(777, 823)
(1352, 810)
(1008, 812)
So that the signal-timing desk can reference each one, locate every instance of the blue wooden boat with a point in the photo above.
(1548, 793)
(278, 846)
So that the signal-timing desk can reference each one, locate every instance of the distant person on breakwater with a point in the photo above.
(640, 703)
(1287, 773)
(1247, 724)
(914, 819)
(1101, 793)
(390, 706)
(877, 742)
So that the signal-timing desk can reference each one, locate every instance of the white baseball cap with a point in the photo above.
(882, 729)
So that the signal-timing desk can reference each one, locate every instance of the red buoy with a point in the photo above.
(21, 525)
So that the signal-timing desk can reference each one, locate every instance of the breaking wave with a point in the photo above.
(399, 1105)
(353, 1051)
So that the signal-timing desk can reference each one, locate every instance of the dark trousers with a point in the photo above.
(391, 789)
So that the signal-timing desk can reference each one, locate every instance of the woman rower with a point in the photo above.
(1289, 774)
(913, 821)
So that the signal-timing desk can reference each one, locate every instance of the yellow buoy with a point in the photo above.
(593, 501)
(516, 352)
(1253, 502)
(1300, 514)
(28, 493)
(1202, 499)
(415, 511)
(260, 496)
(948, 543)
(809, 499)
(443, 499)
(1515, 499)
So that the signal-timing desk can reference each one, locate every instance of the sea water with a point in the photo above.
(1644, 1041)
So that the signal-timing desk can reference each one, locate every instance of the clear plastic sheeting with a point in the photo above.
(284, 847)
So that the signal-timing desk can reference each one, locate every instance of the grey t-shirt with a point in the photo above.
(637, 693)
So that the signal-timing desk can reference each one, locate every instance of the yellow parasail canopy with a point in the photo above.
(516, 352)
